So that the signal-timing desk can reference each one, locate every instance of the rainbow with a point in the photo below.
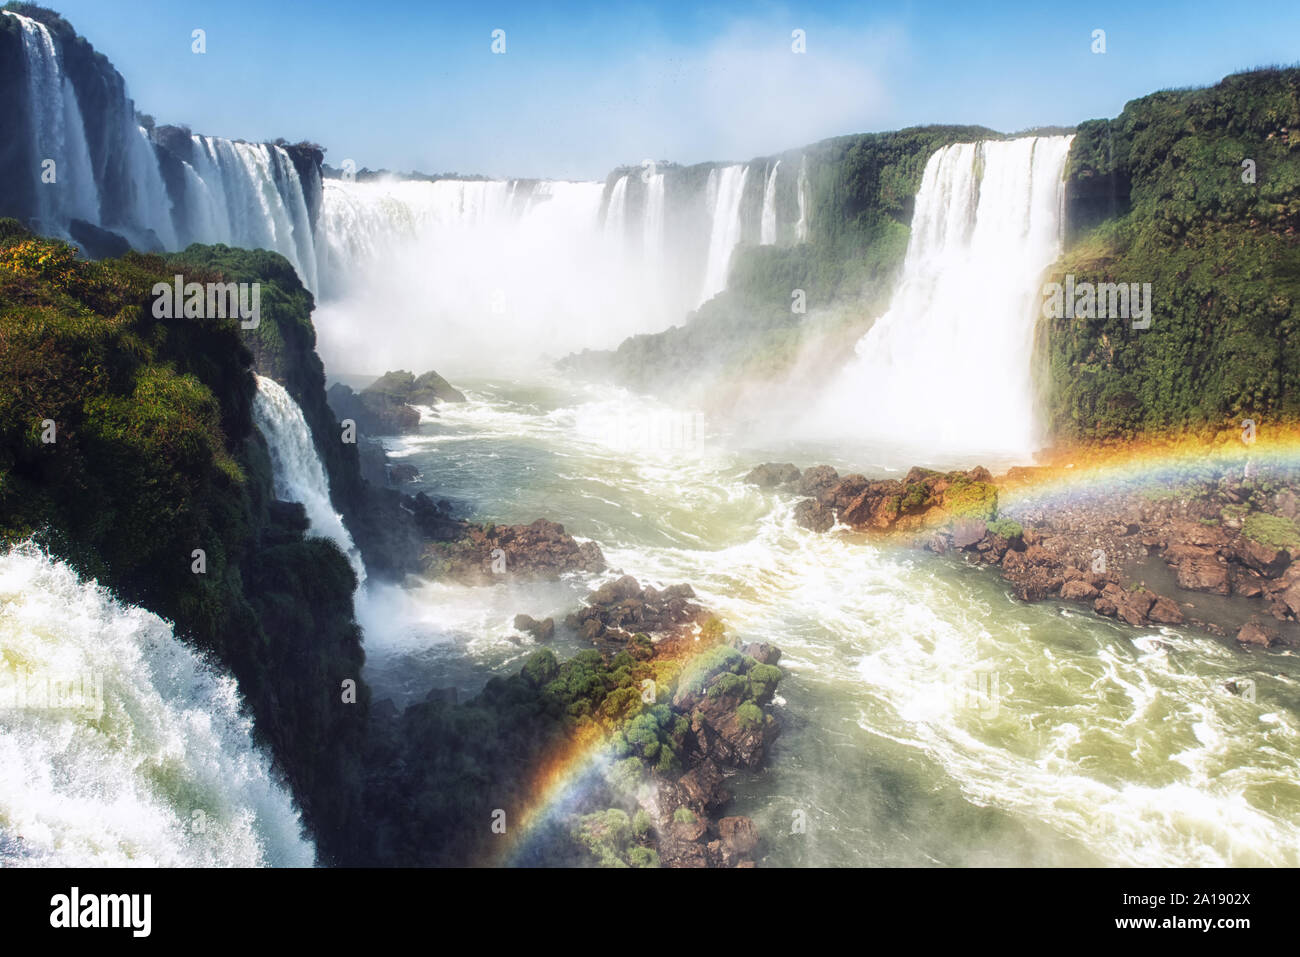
(1103, 471)
(564, 777)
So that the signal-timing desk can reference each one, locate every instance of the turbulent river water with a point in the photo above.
(929, 717)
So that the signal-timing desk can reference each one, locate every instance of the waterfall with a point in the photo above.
(119, 746)
(616, 212)
(726, 189)
(299, 475)
(469, 275)
(249, 195)
(242, 194)
(147, 201)
(947, 368)
(652, 226)
(801, 192)
(767, 228)
(59, 133)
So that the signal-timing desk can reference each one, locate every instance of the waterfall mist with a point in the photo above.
(947, 369)
(486, 275)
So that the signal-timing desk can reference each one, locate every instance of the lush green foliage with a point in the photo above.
(154, 456)
(1159, 196)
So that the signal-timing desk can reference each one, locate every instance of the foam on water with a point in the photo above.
(158, 768)
(1038, 734)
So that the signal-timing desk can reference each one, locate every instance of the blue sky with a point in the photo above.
(581, 88)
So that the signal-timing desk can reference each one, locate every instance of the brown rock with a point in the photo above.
(773, 474)
(739, 837)
(1077, 589)
(817, 480)
(1203, 574)
(968, 532)
(1270, 562)
(1254, 632)
(1165, 611)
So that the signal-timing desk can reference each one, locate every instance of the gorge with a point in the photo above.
(558, 588)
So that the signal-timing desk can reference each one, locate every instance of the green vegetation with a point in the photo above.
(154, 456)
(1275, 531)
(449, 766)
(749, 714)
(968, 498)
(1005, 528)
(1157, 196)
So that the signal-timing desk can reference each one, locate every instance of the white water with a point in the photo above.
(1103, 745)
(767, 234)
(249, 195)
(726, 187)
(117, 782)
(616, 212)
(947, 368)
(652, 228)
(299, 475)
(801, 190)
(59, 131)
(456, 275)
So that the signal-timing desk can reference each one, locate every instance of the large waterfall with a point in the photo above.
(947, 369)
(59, 138)
(726, 187)
(455, 273)
(249, 195)
(479, 273)
(118, 745)
(106, 169)
(299, 475)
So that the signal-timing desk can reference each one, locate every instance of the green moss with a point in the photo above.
(763, 680)
(971, 499)
(1275, 531)
(1005, 528)
(749, 715)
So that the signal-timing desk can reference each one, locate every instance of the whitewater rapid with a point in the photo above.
(120, 746)
(928, 716)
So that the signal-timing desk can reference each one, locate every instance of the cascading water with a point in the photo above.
(947, 368)
(477, 274)
(727, 187)
(801, 192)
(249, 195)
(652, 226)
(117, 741)
(767, 225)
(616, 212)
(299, 475)
(59, 134)
(242, 194)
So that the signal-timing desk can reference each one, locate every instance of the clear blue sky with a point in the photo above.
(584, 87)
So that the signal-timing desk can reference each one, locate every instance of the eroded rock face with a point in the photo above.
(1089, 549)
(773, 474)
(374, 413)
(495, 553)
(621, 608)
(922, 498)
